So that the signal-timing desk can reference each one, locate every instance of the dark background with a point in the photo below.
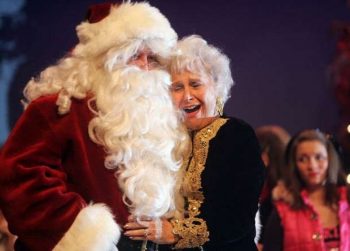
(280, 51)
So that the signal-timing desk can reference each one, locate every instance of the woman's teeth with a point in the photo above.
(191, 108)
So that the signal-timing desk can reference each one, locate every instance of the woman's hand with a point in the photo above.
(158, 231)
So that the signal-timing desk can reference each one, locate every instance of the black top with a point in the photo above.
(232, 181)
(266, 207)
(273, 238)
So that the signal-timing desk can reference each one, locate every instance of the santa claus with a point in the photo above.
(99, 139)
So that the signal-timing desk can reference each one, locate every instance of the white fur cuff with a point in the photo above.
(94, 229)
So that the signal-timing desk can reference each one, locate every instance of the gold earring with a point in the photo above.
(219, 106)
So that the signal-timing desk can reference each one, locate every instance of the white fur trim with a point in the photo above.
(124, 23)
(94, 229)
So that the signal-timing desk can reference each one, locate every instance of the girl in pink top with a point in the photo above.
(312, 206)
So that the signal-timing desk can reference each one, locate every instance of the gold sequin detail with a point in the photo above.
(193, 231)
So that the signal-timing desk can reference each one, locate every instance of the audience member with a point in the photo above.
(273, 140)
(312, 209)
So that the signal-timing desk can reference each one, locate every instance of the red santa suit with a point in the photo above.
(55, 190)
(56, 175)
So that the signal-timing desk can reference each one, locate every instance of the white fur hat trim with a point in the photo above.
(125, 23)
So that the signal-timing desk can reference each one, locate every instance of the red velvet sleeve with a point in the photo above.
(34, 193)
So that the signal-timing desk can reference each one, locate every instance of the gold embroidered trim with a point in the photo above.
(193, 231)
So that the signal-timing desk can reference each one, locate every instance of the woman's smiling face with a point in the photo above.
(193, 97)
(312, 162)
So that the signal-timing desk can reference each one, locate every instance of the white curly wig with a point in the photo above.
(195, 55)
(135, 120)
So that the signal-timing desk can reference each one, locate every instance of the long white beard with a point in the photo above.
(137, 124)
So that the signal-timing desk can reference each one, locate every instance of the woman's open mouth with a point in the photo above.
(193, 108)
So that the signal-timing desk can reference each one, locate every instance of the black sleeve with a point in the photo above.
(265, 210)
(232, 182)
(273, 235)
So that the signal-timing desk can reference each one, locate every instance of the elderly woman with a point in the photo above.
(223, 174)
(314, 213)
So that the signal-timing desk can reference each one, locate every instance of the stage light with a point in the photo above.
(348, 179)
(348, 128)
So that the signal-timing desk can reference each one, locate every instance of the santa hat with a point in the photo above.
(125, 23)
(97, 12)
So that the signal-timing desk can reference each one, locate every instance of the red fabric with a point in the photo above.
(331, 238)
(50, 169)
(97, 12)
(265, 193)
(301, 227)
